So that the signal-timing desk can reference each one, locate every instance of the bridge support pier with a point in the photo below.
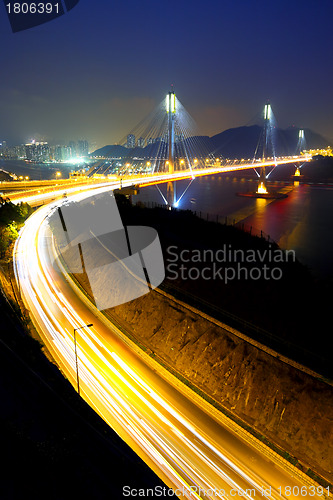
(262, 184)
(171, 193)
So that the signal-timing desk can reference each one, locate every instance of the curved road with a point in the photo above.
(192, 450)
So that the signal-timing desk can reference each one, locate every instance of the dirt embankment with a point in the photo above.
(289, 407)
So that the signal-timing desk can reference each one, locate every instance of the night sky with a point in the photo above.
(99, 69)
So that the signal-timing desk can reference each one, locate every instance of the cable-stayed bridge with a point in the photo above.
(164, 148)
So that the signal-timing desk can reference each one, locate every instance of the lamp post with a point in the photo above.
(76, 361)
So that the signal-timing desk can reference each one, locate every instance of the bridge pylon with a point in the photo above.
(262, 184)
(171, 111)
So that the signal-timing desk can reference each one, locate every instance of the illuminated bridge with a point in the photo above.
(39, 193)
(168, 149)
(172, 152)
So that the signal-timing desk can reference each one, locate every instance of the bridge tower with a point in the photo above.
(301, 142)
(171, 111)
(300, 147)
(262, 186)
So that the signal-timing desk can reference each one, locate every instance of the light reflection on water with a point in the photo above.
(303, 221)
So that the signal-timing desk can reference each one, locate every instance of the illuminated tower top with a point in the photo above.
(171, 102)
(267, 112)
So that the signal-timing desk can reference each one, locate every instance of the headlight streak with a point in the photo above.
(103, 380)
(96, 372)
(205, 486)
(132, 422)
(186, 424)
(151, 407)
(165, 447)
(68, 353)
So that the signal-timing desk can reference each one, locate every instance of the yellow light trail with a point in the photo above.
(148, 179)
(192, 451)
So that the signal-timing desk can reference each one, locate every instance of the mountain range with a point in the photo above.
(239, 142)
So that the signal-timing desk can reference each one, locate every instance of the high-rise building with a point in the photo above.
(58, 153)
(37, 151)
(130, 141)
(20, 151)
(141, 142)
(72, 145)
(82, 148)
(4, 150)
(62, 153)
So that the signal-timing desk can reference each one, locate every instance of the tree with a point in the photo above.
(10, 216)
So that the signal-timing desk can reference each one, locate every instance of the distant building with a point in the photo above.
(30, 151)
(141, 142)
(82, 148)
(20, 151)
(3, 148)
(37, 151)
(62, 153)
(72, 145)
(130, 141)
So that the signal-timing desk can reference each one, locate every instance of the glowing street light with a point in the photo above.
(76, 361)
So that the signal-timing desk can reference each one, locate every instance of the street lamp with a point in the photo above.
(76, 361)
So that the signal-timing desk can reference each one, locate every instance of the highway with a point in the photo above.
(37, 195)
(195, 451)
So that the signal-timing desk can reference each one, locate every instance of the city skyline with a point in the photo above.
(81, 75)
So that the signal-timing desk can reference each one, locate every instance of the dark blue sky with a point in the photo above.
(96, 71)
